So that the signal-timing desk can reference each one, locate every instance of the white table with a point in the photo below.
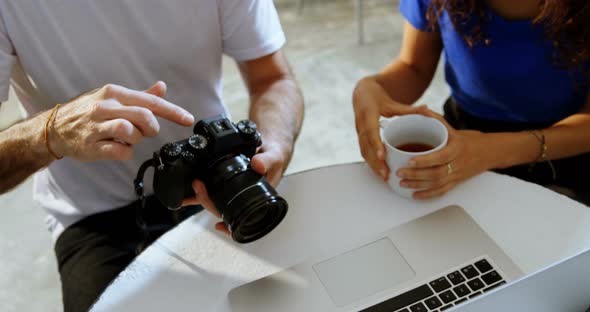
(192, 268)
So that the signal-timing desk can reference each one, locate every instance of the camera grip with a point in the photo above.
(169, 185)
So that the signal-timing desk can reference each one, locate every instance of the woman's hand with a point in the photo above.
(468, 153)
(105, 123)
(370, 102)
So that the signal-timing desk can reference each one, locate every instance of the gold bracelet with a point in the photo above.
(540, 136)
(51, 121)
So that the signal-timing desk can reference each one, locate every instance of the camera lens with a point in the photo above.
(259, 218)
(249, 205)
(253, 220)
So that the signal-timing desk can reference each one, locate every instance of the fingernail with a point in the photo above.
(400, 174)
(412, 163)
(380, 154)
(403, 184)
(383, 173)
(188, 118)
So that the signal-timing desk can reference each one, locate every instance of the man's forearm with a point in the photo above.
(22, 152)
(278, 112)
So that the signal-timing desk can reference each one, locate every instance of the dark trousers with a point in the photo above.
(93, 251)
(572, 173)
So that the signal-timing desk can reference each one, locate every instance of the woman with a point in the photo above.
(519, 74)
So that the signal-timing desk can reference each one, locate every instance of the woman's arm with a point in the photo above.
(569, 137)
(390, 92)
(406, 78)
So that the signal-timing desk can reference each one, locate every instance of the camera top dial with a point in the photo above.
(170, 152)
(197, 142)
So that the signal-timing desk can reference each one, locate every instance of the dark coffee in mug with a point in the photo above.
(414, 147)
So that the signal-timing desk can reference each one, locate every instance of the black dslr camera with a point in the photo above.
(219, 154)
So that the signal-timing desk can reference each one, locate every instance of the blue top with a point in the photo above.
(513, 79)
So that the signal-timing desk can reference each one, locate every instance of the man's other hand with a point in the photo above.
(105, 123)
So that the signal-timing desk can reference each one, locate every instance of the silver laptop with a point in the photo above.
(563, 287)
(429, 264)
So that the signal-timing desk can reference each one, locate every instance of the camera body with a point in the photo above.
(219, 154)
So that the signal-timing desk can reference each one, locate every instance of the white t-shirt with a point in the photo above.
(53, 50)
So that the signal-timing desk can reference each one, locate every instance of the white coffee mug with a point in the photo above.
(407, 129)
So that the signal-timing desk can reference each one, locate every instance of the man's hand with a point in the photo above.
(277, 109)
(202, 198)
(104, 124)
(271, 161)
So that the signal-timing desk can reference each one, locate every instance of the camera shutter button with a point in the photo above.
(170, 152)
(247, 127)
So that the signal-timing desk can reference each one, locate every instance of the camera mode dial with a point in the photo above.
(197, 142)
(170, 152)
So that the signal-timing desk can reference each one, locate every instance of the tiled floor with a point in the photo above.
(327, 61)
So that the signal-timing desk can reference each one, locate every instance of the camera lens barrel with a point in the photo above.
(249, 205)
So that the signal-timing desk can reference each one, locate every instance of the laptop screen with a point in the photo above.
(563, 287)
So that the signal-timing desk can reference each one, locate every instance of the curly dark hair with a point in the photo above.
(566, 24)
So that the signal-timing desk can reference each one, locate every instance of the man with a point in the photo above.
(52, 51)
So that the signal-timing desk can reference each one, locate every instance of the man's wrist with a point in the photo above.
(44, 136)
(30, 134)
(51, 135)
(285, 146)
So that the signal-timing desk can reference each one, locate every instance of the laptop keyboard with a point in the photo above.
(445, 291)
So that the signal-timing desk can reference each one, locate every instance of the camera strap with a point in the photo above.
(140, 207)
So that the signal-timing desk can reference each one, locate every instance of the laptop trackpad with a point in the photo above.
(363, 271)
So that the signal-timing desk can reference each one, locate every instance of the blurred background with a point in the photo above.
(324, 51)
